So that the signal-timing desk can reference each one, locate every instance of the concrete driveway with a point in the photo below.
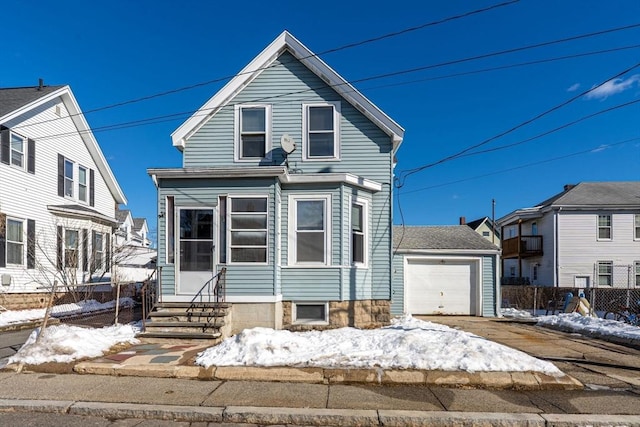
(597, 364)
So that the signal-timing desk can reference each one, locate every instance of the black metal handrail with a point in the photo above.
(149, 294)
(218, 290)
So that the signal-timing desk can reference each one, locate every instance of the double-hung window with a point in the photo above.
(309, 243)
(248, 229)
(636, 222)
(71, 252)
(68, 178)
(359, 222)
(82, 183)
(15, 241)
(321, 133)
(636, 269)
(604, 227)
(253, 124)
(97, 246)
(18, 145)
(605, 273)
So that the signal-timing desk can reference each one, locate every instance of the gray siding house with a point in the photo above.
(448, 270)
(286, 182)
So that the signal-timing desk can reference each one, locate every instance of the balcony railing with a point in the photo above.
(522, 246)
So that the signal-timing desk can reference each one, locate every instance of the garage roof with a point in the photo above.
(454, 237)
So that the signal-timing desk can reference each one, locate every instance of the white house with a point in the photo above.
(134, 259)
(587, 235)
(57, 195)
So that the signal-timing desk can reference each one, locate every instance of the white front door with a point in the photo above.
(196, 249)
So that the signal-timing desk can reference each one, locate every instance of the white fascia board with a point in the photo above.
(520, 214)
(348, 178)
(313, 63)
(457, 252)
(92, 145)
(228, 172)
(82, 215)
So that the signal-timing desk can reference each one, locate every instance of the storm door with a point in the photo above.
(196, 249)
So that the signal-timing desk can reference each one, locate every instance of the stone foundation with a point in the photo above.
(31, 300)
(358, 314)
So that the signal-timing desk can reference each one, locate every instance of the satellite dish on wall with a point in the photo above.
(287, 143)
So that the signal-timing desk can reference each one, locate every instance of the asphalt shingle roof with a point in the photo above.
(13, 98)
(598, 194)
(137, 223)
(121, 215)
(439, 237)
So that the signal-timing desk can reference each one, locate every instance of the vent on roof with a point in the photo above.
(40, 84)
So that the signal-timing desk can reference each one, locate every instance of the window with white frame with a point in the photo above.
(97, 247)
(605, 273)
(253, 140)
(636, 269)
(310, 313)
(18, 145)
(71, 253)
(321, 133)
(247, 227)
(637, 226)
(15, 241)
(68, 178)
(82, 183)
(310, 225)
(604, 227)
(359, 231)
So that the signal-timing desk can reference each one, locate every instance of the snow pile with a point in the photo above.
(407, 343)
(593, 326)
(65, 343)
(12, 317)
(515, 313)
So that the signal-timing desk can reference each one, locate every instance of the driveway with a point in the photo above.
(597, 364)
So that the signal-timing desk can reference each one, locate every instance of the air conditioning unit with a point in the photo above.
(6, 280)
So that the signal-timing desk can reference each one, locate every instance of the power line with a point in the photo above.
(204, 112)
(590, 150)
(315, 55)
(405, 174)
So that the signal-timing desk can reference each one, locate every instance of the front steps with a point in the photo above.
(177, 320)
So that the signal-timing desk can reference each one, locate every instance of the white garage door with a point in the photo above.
(437, 287)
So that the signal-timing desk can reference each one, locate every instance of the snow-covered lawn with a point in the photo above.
(594, 326)
(12, 317)
(66, 343)
(407, 343)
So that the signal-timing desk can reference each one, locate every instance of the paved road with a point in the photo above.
(597, 364)
(35, 419)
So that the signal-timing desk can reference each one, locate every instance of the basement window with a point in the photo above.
(311, 313)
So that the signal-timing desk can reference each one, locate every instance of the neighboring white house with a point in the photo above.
(587, 235)
(134, 260)
(57, 195)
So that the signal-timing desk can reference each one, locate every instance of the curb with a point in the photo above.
(472, 380)
(312, 417)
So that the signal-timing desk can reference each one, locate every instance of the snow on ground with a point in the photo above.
(407, 343)
(515, 313)
(66, 343)
(595, 326)
(12, 317)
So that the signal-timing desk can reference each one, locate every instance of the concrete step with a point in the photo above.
(180, 328)
(185, 305)
(182, 335)
(160, 316)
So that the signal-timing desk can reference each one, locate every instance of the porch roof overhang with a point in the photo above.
(520, 215)
(82, 212)
(279, 172)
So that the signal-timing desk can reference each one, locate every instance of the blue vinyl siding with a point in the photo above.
(397, 285)
(311, 284)
(489, 286)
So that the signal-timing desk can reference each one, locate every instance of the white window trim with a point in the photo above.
(610, 263)
(294, 313)
(86, 184)
(95, 251)
(73, 180)
(23, 243)
(365, 231)
(230, 197)
(636, 237)
(336, 131)
(24, 150)
(598, 226)
(636, 271)
(293, 235)
(237, 131)
(78, 265)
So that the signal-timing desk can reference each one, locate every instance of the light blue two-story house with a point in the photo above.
(286, 183)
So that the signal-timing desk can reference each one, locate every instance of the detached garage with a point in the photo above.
(449, 270)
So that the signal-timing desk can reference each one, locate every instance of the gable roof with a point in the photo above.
(21, 100)
(439, 237)
(138, 223)
(585, 195)
(288, 42)
(122, 214)
(485, 219)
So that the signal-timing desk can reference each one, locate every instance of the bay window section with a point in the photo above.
(359, 214)
(71, 248)
(310, 230)
(248, 229)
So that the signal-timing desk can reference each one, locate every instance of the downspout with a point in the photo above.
(556, 255)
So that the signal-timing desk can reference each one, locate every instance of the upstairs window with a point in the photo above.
(604, 227)
(68, 178)
(321, 131)
(82, 183)
(253, 141)
(18, 144)
(605, 273)
(248, 229)
(15, 241)
(637, 226)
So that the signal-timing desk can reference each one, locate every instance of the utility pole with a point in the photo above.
(493, 221)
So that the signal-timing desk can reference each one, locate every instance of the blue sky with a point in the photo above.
(109, 52)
